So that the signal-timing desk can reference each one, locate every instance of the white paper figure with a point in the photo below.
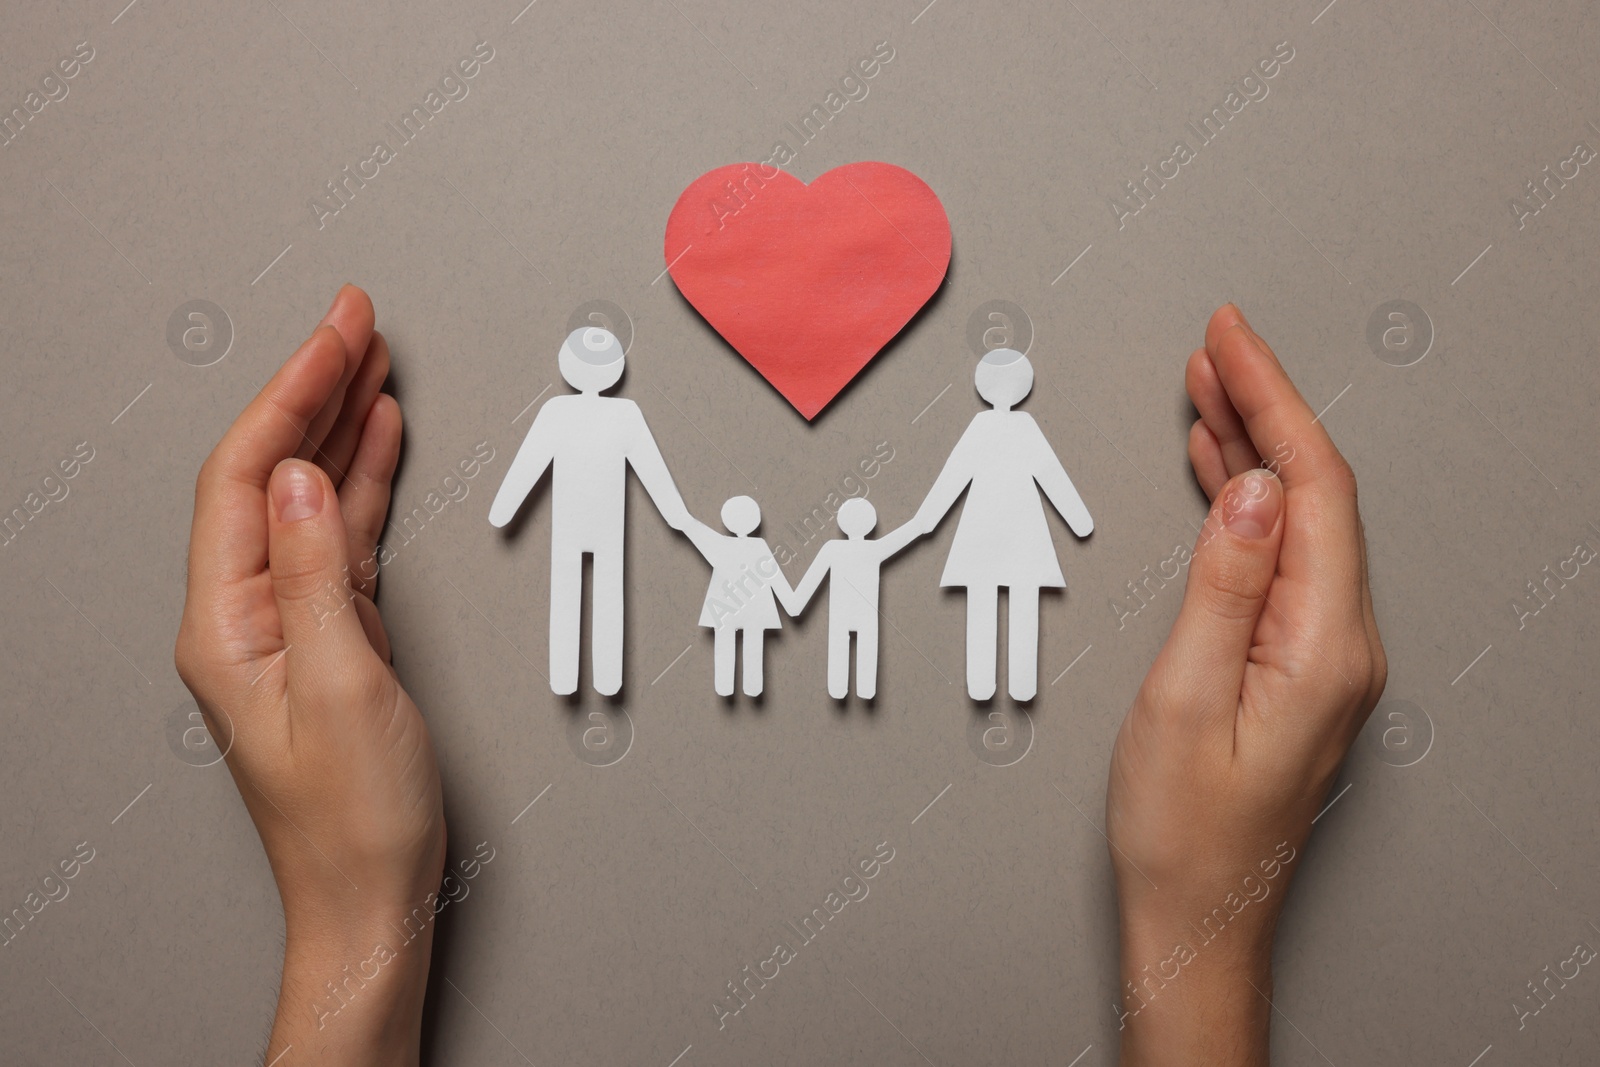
(1003, 538)
(590, 440)
(744, 579)
(851, 565)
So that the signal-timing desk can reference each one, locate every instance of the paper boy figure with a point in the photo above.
(744, 578)
(852, 562)
(590, 441)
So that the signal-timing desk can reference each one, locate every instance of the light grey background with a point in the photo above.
(1381, 166)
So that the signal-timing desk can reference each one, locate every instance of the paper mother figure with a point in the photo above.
(1003, 538)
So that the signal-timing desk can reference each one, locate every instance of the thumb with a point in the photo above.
(1235, 558)
(308, 558)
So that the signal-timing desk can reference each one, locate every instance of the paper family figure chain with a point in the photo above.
(1002, 463)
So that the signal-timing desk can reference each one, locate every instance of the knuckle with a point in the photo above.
(206, 477)
(369, 686)
(1357, 664)
(186, 655)
(1341, 477)
(1168, 696)
(1354, 665)
(1229, 588)
(304, 572)
(1379, 678)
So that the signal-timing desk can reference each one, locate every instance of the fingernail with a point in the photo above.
(296, 492)
(1253, 510)
(1240, 312)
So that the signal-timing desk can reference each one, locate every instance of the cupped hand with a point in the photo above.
(1236, 734)
(288, 659)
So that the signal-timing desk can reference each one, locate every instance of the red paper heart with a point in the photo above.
(808, 282)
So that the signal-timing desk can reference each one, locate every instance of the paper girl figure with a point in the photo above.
(744, 578)
(851, 565)
(589, 441)
(1003, 538)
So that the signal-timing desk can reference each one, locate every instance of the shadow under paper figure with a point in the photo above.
(1003, 538)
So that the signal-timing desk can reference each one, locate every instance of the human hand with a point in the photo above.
(1234, 739)
(282, 644)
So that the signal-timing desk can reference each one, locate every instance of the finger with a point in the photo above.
(1225, 316)
(339, 447)
(351, 316)
(364, 497)
(228, 539)
(1321, 538)
(1234, 563)
(327, 647)
(1267, 402)
(1210, 399)
(1206, 457)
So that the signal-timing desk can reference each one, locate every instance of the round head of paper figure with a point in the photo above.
(1004, 377)
(741, 515)
(591, 359)
(857, 517)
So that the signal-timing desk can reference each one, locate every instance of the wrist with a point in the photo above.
(354, 983)
(1195, 993)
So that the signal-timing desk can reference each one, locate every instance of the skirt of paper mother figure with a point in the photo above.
(1003, 537)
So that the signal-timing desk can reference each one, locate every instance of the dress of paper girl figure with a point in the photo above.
(744, 580)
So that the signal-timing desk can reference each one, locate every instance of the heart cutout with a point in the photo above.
(808, 282)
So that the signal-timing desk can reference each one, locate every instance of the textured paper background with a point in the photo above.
(180, 166)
